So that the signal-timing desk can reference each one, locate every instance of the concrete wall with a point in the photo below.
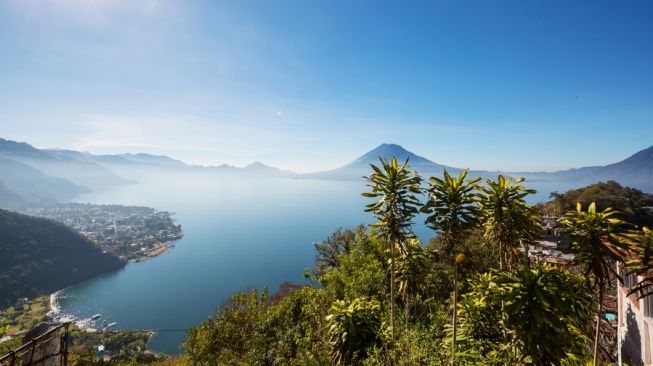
(635, 330)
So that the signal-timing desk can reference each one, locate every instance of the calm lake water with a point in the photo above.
(239, 233)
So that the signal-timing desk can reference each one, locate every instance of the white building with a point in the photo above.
(635, 324)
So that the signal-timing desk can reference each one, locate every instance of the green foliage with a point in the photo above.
(596, 247)
(547, 309)
(40, 256)
(230, 335)
(252, 330)
(122, 347)
(545, 312)
(523, 314)
(452, 207)
(360, 274)
(593, 241)
(353, 328)
(420, 345)
(639, 246)
(397, 190)
(631, 203)
(412, 267)
(340, 242)
(509, 222)
(480, 328)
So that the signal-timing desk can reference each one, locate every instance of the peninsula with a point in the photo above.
(131, 233)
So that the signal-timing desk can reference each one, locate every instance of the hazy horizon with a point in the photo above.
(330, 167)
(511, 86)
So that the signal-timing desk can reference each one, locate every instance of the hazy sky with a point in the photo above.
(308, 85)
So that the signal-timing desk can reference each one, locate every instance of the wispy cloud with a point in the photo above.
(197, 140)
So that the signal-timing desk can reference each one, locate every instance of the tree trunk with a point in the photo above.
(407, 346)
(392, 290)
(598, 326)
(455, 313)
(407, 302)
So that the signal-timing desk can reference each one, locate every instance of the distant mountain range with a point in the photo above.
(635, 171)
(36, 176)
(31, 176)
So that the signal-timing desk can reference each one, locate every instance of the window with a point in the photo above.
(629, 279)
(648, 305)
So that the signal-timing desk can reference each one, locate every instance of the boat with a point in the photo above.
(110, 325)
(96, 317)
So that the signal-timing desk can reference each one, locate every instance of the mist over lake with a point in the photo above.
(239, 233)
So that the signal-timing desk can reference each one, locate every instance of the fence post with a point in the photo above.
(31, 355)
(65, 344)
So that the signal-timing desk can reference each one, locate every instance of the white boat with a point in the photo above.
(110, 325)
(96, 317)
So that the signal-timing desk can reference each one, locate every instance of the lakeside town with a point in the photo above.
(131, 233)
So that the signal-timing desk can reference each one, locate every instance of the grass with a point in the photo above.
(23, 317)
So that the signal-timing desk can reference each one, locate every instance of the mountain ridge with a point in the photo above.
(636, 170)
(39, 256)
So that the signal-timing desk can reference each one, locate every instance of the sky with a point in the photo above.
(311, 85)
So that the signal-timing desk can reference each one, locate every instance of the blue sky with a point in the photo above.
(309, 85)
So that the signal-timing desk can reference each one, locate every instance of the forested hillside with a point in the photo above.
(634, 206)
(39, 256)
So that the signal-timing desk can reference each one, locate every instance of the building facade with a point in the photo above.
(635, 324)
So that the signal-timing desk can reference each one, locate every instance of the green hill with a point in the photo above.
(39, 256)
(635, 206)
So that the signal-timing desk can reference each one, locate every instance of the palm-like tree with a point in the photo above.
(593, 241)
(639, 259)
(452, 207)
(411, 267)
(509, 222)
(352, 328)
(545, 308)
(396, 188)
(453, 210)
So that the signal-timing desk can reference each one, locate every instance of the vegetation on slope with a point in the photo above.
(469, 297)
(633, 205)
(39, 256)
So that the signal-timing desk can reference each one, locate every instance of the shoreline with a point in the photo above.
(159, 250)
(55, 311)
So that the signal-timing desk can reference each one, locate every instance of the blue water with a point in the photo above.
(239, 233)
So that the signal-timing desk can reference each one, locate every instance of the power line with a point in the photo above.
(131, 331)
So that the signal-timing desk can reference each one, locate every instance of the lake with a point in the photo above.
(239, 233)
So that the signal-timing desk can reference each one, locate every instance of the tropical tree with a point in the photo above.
(412, 266)
(595, 244)
(541, 307)
(352, 328)
(396, 188)
(338, 243)
(452, 208)
(545, 309)
(509, 222)
(480, 320)
(639, 260)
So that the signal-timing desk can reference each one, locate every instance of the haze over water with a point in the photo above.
(239, 233)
